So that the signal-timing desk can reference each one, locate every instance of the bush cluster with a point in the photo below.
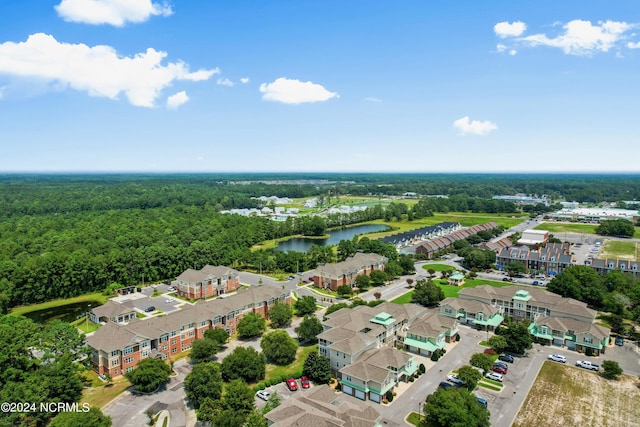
(276, 380)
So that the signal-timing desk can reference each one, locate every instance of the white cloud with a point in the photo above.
(500, 48)
(372, 99)
(505, 29)
(176, 100)
(513, 52)
(244, 80)
(632, 45)
(475, 127)
(224, 82)
(584, 38)
(112, 12)
(98, 70)
(289, 91)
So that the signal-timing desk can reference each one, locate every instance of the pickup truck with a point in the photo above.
(587, 365)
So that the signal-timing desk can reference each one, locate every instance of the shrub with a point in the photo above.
(338, 386)
(457, 337)
(489, 351)
(389, 396)
(422, 369)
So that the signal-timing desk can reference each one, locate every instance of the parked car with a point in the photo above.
(292, 384)
(263, 394)
(619, 341)
(506, 279)
(482, 402)
(557, 358)
(149, 309)
(304, 382)
(499, 369)
(506, 358)
(455, 380)
(445, 385)
(588, 365)
(501, 364)
(493, 376)
(536, 283)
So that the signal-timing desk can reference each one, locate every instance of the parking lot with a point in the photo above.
(163, 302)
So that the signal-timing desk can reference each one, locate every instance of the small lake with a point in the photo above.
(66, 313)
(302, 244)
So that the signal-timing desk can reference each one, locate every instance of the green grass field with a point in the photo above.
(22, 310)
(275, 371)
(437, 267)
(563, 227)
(620, 249)
(452, 291)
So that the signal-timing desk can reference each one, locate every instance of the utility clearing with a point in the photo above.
(568, 396)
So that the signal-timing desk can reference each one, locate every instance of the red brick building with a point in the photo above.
(330, 276)
(207, 282)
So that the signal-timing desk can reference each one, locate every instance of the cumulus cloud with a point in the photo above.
(632, 45)
(176, 100)
(372, 99)
(584, 38)
(290, 91)
(244, 80)
(111, 12)
(506, 29)
(224, 82)
(475, 127)
(97, 70)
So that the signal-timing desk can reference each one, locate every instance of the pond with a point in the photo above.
(66, 313)
(302, 244)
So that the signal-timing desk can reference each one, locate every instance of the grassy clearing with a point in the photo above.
(84, 326)
(568, 396)
(437, 267)
(452, 291)
(96, 296)
(564, 227)
(414, 418)
(620, 249)
(101, 395)
(275, 371)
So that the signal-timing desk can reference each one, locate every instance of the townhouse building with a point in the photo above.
(117, 348)
(207, 282)
(473, 313)
(412, 237)
(432, 247)
(430, 332)
(554, 319)
(604, 266)
(551, 259)
(331, 276)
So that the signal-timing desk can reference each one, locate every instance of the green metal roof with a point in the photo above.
(383, 318)
(423, 345)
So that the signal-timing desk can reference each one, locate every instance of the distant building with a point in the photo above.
(595, 215)
(412, 237)
(523, 199)
(534, 238)
(604, 266)
(433, 247)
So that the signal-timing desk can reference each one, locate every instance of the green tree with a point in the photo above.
(93, 417)
(454, 408)
(149, 374)
(317, 368)
(482, 361)
(229, 418)
(517, 336)
(204, 381)
(202, 350)
(378, 277)
(272, 403)
(612, 369)
(335, 307)
(616, 227)
(305, 305)
(470, 376)
(59, 338)
(309, 328)
(362, 281)
(218, 335)
(427, 293)
(208, 409)
(251, 325)
(238, 397)
(245, 363)
(498, 343)
(344, 290)
(279, 347)
(516, 267)
(255, 419)
(280, 314)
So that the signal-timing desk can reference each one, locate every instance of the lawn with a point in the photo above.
(619, 249)
(568, 396)
(437, 267)
(452, 291)
(101, 395)
(96, 296)
(84, 326)
(294, 368)
(414, 418)
(563, 227)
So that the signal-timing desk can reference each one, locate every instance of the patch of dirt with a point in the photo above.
(569, 396)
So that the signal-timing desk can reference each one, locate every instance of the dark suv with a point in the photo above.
(506, 358)
(149, 309)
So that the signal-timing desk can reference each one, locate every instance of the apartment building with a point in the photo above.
(551, 259)
(430, 332)
(331, 276)
(207, 282)
(117, 348)
(472, 313)
(113, 311)
(557, 320)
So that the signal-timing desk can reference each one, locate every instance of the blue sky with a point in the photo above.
(331, 85)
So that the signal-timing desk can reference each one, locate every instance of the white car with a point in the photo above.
(263, 394)
(169, 300)
(494, 376)
(557, 358)
(455, 380)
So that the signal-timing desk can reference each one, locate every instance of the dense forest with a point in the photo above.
(62, 236)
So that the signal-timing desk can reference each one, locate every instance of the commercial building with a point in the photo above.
(595, 215)
(117, 348)
(534, 238)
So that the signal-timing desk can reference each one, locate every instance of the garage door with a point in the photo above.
(375, 397)
(571, 345)
(347, 389)
(558, 341)
(360, 395)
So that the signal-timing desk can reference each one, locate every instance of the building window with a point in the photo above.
(191, 333)
(173, 350)
(115, 372)
(145, 353)
(174, 342)
(130, 368)
(588, 340)
(128, 360)
(203, 323)
(348, 377)
(114, 353)
(164, 338)
(164, 347)
(128, 350)
(114, 362)
(174, 333)
(145, 344)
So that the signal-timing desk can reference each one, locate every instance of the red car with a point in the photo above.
(292, 384)
(499, 369)
(304, 382)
